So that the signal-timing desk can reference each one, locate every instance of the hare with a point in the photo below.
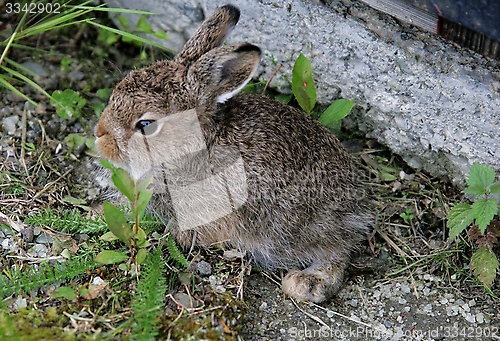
(243, 170)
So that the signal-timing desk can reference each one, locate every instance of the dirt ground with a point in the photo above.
(408, 283)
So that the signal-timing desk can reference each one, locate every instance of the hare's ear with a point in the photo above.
(211, 34)
(221, 73)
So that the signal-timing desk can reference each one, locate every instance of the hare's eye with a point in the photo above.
(146, 127)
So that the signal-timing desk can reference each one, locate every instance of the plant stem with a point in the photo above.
(12, 37)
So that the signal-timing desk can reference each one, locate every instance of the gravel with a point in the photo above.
(374, 309)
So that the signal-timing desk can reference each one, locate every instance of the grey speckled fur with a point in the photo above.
(303, 210)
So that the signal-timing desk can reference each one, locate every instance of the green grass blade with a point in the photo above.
(4, 83)
(20, 67)
(133, 37)
(52, 25)
(30, 48)
(13, 37)
(24, 79)
(114, 10)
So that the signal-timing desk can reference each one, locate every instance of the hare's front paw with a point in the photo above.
(311, 284)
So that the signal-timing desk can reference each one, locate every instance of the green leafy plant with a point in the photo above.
(123, 227)
(147, 302)
(175, 253)
(67, 221)
(479, 217)
(407, 216)
(304, 90)
(13, 281)
(68, 103)
(13, 75)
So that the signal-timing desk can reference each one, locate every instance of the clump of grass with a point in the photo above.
(147, 302)
(67, 221)
(30, 24)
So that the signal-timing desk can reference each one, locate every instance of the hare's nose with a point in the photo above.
(98, 131)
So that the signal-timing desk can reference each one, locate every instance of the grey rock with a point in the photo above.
(433, 103)
(78, 75)
(27, 233)
(36, 68)
(10, 124)
(204, 268)
(44, 238)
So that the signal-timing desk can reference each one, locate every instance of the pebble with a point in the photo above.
(204, 268)
(10, 124)
(353, 303)
(39, 250)
(27, 234)
(479, 317)
(36, 68)
(44, 238)
(186, 301)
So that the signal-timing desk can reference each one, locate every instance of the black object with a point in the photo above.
(472, 24)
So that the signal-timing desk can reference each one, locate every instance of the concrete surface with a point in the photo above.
(432, 102)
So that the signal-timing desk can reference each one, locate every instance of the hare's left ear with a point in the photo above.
(221, 73)
(211, 34)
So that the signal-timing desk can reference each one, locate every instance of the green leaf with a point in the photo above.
(284, 98)
(68, 103)
(144, 192)
(28, 146)
(107, 164)
(74, 201)
(484, 264)
(66, 254)
(124, 183)
(103, 93)
(143, 26)
(141, 256)
(480, 177)
(64, 292)
(495, 188)
(175, 253)
(73, 141)
(123, 21)
(460, 216)
(117, 222)
(110, 257)
(302, 84)
(484, 211)
(387, 176)
(109, 237)
(160, 34)
(65, 64)
(333, 115)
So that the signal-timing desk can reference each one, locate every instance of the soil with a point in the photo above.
(408, 283)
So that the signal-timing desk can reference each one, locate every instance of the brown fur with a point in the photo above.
(303, 208)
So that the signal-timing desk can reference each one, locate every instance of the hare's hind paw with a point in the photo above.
(313, 284)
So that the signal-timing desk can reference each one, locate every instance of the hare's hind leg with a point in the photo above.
(316, 283)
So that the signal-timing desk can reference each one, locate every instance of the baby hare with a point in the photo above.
(243, 170)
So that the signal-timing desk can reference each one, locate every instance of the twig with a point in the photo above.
(392, 244)
(38, 259)
(347, 317)
(315, 318)
(50, 184)
(23, 140)
(271, 78)
(271, 278)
